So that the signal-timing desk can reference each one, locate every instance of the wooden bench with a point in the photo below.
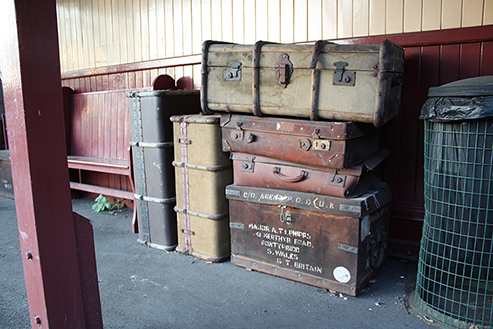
(98, 144)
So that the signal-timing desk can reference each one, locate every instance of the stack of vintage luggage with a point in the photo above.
(306, 203)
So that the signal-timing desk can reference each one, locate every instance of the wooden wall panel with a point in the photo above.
(487, 51)
(345, 19)
(97, 33)
(261, 23)
(300, 27)
(377, 17)
(287, 21)
(488, 12)
(360, 18)
(329, 19)
(431, 13)
(238, 24)
(412, 17)
(314, 20)
(394, 16)
(274, 20)
(451, 13)
(472, 12)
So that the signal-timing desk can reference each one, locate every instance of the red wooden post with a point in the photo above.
(30, 68)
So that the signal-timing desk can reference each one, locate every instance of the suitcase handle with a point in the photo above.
(277, 172)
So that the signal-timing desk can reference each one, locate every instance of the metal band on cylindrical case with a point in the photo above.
(151, 145)
(155, 200)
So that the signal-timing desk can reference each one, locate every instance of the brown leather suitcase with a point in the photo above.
(259, 171)
(328, 242)
(336, 145)
(324, 80)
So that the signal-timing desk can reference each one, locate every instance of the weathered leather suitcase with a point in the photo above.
(328, 242)
(152, 155)
(258, 171)
(202, 173)
(336, 145)
(323, 81)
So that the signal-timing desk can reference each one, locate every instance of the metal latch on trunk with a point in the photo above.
(248, 165)
(321, 145)
(343, 77)
(284, 69)
(285, 217)
(336, 179)
(232, 73)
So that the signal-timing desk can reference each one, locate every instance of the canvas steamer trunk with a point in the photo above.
(152, 157)
(337, 145)
(324, 241)
(327, 81)
(202, 173)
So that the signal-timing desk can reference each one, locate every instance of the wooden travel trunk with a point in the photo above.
(202, 173)
(336, 145)
(152, 155)
(328, 242)
(6, 183)
(258, 171)
(326, 81)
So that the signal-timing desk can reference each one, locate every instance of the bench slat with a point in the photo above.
(112, 166)
(102, 190)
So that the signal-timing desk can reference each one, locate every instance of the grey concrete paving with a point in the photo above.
(142, 287)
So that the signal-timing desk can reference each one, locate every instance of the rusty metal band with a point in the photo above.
(256, 76)
(152, 145)
(201, 214)
(155, 200)
(142, 185)
(315, 79)
(186, 192)
(201, 167)
(205, 73)
(195, 119)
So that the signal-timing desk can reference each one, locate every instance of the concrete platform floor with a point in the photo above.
(142, 287)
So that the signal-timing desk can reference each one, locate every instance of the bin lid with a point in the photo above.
(480, 86)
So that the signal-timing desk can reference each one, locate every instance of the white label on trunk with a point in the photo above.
(342, 274)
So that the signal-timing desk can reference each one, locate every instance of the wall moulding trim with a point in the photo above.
(429, 38)
(131, 67)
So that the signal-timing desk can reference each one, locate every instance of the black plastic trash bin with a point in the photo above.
(455, 271)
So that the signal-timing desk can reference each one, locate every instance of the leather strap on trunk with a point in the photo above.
(205, 73)
(315, 78)
(256, 76)
(186, 192)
